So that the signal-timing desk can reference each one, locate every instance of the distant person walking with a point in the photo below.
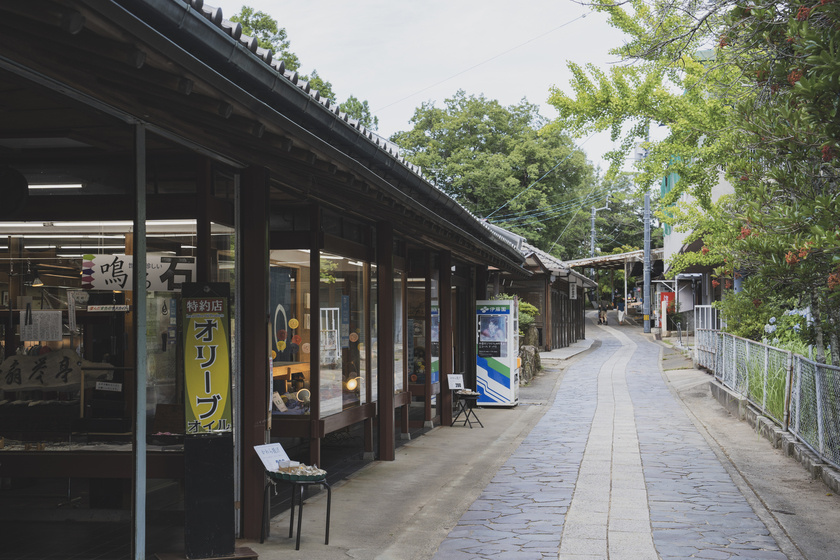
(621, 311)
(602, 314)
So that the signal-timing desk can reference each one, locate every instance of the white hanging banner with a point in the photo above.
(114, 272)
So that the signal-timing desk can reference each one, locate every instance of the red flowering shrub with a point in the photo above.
(834, 279)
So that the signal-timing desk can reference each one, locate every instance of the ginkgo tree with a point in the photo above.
(747, 90)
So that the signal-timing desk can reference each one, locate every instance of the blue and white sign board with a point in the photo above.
(497, 352)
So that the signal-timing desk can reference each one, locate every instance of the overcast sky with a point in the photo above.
(397, 54)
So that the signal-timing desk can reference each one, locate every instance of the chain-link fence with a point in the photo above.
(799, 394)
(815, 407)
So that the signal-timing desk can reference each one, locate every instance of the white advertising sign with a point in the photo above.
(115, 272)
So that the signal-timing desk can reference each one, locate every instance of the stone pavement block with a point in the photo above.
(574, 545)
(585, 531)
(631, 546)
(633, 475)
(632, 525)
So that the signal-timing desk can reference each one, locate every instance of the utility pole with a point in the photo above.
(592, 244)
(646, 295)
(592, 234)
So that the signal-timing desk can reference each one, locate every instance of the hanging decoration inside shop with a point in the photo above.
(207, 364)
(114, 272)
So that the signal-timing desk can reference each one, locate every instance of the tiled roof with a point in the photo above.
(552, 263)
(234, 30)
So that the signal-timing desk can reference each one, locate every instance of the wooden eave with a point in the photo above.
(97, 50)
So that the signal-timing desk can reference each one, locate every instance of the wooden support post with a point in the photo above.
(205, 192)
(315, 246)
(385, 323)
(255, 346)
(445, 333)
(427, 334)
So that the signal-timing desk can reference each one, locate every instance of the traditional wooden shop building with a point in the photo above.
(552, 286)
(154, 135)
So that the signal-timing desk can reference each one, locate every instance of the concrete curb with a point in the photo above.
(786, 442)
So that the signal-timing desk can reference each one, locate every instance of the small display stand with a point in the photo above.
(271, 455)
(466, 400)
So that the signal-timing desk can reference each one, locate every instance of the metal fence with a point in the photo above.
(706, 317)
(801, 395)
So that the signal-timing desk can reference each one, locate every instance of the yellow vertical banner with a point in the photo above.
(207, 364)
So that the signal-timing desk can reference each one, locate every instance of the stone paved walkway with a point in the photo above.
(613, 470)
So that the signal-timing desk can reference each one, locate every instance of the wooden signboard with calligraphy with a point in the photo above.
(60, 369)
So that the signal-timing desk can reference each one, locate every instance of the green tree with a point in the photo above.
(498, 163)
(360, 110)
(271, 36)
(323, 87)
(268, 34)
(786, 175)
(620, 227)
(760, 108)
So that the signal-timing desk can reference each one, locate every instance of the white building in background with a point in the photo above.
(692, 286)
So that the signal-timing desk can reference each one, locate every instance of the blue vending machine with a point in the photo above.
(497, 352)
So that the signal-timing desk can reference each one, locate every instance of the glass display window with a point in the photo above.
(416, 355)
(344, 314)
(400, 361)
(434, 343)
(290, 313)
(373, 330)
(67, 288)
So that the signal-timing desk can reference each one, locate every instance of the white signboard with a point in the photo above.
(40, 325)
(115, 272)
(456, 380)
(572, 291)
(270, 454)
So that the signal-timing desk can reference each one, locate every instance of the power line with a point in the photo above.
(570, 221)
(552, 211)
(474, 66)
(559, 206)
(526, 189)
